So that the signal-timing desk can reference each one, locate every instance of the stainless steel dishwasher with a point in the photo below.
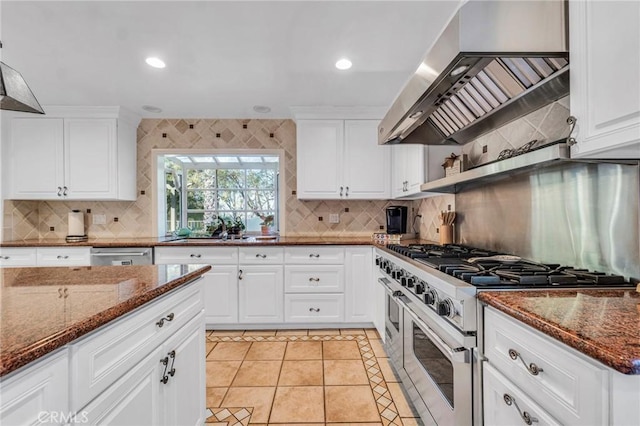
(121, 256)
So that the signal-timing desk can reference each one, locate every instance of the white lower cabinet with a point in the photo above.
(260, 293)
(147, 368)
(568, 387)
(13, 257)
(220, 283)
(359, 291)
(133, 400)
(37, 395)
(314, 307)
(221, 295)
(64, 256)
(506, 405)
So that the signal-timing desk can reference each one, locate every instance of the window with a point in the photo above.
(201, 191)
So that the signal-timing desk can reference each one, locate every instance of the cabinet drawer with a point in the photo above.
(261, 255)
(64, 256)
(12, 257)
(100, 358)
(209, 255)
(504, 403)
(314, 279)
(314, 307)
(314, 255)
(569, 388)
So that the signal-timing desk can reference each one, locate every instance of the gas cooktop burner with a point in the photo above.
(452, 260)
(425, 251)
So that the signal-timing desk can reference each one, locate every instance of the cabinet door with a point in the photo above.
(605, 88)
(36, 168)
(183, 396)
(37, 395)
(320, 156)
(408, 169)
(359, 284)
(221, 294)
(366, 164)
(133, 400)
(90, 158)
(505, 404)
(261, 292)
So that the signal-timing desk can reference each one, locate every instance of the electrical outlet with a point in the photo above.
(99, 219)
(334, 218)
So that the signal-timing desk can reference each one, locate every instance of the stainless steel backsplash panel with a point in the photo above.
(581, 214)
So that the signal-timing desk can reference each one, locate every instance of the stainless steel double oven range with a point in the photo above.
(432, 318)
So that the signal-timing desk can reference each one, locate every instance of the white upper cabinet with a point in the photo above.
(605, 82)
(341, 159)
(412, 165)
(367, 165)
(72, 154)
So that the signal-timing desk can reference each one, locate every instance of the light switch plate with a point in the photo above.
(334, 218)
(99, 219)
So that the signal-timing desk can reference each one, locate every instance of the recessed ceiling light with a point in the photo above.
(155, 62)
(262, 109)
(343, 64)
(151, 108)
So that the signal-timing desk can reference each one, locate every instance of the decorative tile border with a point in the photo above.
(386, 407)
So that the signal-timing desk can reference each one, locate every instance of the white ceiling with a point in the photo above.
(222, 57)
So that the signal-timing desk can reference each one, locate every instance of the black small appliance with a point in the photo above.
(396, 220)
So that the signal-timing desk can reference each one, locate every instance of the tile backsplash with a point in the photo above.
(547, 124)
(48, 219)
(36, 219)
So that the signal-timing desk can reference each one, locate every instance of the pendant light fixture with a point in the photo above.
(15, 94)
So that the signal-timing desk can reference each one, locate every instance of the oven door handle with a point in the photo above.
(457, 355)
(388, 289)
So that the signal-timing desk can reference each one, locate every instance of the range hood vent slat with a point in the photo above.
(463, 108)
(492, 87)
(486, 94)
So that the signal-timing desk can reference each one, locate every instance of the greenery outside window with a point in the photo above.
(202, 191)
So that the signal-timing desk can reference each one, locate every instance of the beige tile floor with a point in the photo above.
(305, 377)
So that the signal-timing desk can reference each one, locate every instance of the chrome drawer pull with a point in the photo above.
(240, 274)
(62, 257)
(314, 255)
(169, 317)
(65, 191)
(341, 189)
(314, 279)
(164, 361)
(261, 255)
(172, 355)
(198, 256)
(531, 368)
(59, 191)
(5, 258)
(314, 309)
(60, 293)
(526, 417)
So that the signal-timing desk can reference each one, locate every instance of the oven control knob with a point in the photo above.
(419, 288)
(406, 281)
(411, 282)
(388, 268)
(445, 308)
(430, 297)
(378, 260)
(397, 273)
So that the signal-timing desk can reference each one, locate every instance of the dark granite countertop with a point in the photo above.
(34, 323)
(603, 324)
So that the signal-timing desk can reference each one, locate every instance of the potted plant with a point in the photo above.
(266, 224)
(236, 226)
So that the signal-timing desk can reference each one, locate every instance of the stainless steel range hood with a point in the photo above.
(496, 61)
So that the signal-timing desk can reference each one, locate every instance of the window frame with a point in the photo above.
(159, 194)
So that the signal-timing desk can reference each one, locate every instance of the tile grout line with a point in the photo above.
(364, 347)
